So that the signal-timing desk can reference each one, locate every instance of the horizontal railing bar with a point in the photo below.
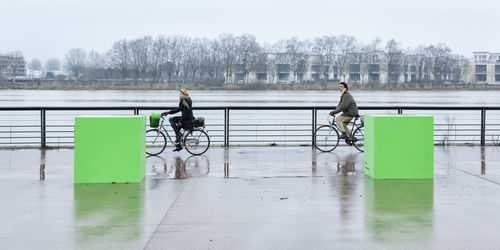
(253, 108)
(20, 126)
(19, 143)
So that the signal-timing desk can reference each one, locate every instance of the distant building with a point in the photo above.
(376, 68)
(485, 68)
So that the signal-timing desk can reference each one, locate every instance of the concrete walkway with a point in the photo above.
(252, 198)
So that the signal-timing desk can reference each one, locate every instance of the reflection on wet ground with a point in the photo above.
(267, 197)
(399, 211)
(483, 161)
(181, 168)
(42, 164)
(99, 209)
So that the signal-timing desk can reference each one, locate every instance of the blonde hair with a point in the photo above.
(184, 92)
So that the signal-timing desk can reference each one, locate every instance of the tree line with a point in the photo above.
(213, 61)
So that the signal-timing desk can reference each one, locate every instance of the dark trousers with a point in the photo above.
(186, 125)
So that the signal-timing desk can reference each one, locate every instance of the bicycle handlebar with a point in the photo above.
(328, 118)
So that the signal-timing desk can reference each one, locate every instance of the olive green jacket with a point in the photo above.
(347, 105)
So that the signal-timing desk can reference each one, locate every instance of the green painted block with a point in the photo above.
(399, 146)
(110, 149)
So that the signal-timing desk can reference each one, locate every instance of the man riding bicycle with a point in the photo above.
(349, 110)
(184, 121)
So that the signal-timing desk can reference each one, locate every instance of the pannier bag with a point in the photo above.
(199, 122)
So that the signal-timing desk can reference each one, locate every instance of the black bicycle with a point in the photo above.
(327, 138)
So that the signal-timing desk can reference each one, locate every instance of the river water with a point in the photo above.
(246, 98)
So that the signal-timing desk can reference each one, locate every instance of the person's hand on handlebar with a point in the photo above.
(164, 113)
(332, 114)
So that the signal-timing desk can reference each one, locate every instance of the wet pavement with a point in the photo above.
(252, 198)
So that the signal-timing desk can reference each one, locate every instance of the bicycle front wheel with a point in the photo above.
(359, 139)
(155, 142)
(197, 142)
(326, 138)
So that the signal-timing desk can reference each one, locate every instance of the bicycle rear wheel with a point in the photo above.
(197, 142)
(359, 139)
(326, 138)
(155, 142)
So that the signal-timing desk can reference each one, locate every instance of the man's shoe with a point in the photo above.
(343, 136)
(178, 148)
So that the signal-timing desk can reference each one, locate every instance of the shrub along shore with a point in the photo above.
(89, 85)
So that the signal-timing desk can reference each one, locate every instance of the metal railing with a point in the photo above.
(247, 125)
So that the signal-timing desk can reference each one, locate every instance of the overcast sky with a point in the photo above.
(43, 29)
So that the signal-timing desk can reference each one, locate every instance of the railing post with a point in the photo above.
(483, 127)
(42, 129)
(136, 111)
(314, 125)
(400, 111)
(226, 127)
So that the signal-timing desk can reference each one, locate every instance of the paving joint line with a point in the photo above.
(478, 176)
(168, 211)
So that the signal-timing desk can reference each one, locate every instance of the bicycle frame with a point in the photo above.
(161, 127)
(333, 125)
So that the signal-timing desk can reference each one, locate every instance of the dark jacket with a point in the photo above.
(347, 105)
(186, 107)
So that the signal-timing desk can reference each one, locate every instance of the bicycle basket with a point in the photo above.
(154, 119)
(199, 122)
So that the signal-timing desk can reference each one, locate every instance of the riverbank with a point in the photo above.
(66, 85)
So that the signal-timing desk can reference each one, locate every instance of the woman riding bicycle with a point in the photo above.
(349, 110)
(184, 121)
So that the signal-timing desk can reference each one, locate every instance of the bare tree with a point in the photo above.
(176, 54)
(159, 57)
(418, 60)
(370, 56)
(294, 48)
(120, 56)
(184, 65)
(96, 64)
(141, 50)
(76, 60)
(35, 64)
(214, 60)
(246, 50)
(324, 51)
(15, 63)
(344, 47)
(438, 56)
(393, 57)
(459, 66)
(228, 48)
(52, 64)
(196, 56)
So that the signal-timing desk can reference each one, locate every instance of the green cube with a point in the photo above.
(110, 149)
(399, 146)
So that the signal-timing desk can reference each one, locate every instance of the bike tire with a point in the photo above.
(359, 135)
(326, 138)
(155, 142)
(196, 142)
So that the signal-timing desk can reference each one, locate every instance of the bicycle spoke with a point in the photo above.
(155, 142)
(326, 138)
(197, 142)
